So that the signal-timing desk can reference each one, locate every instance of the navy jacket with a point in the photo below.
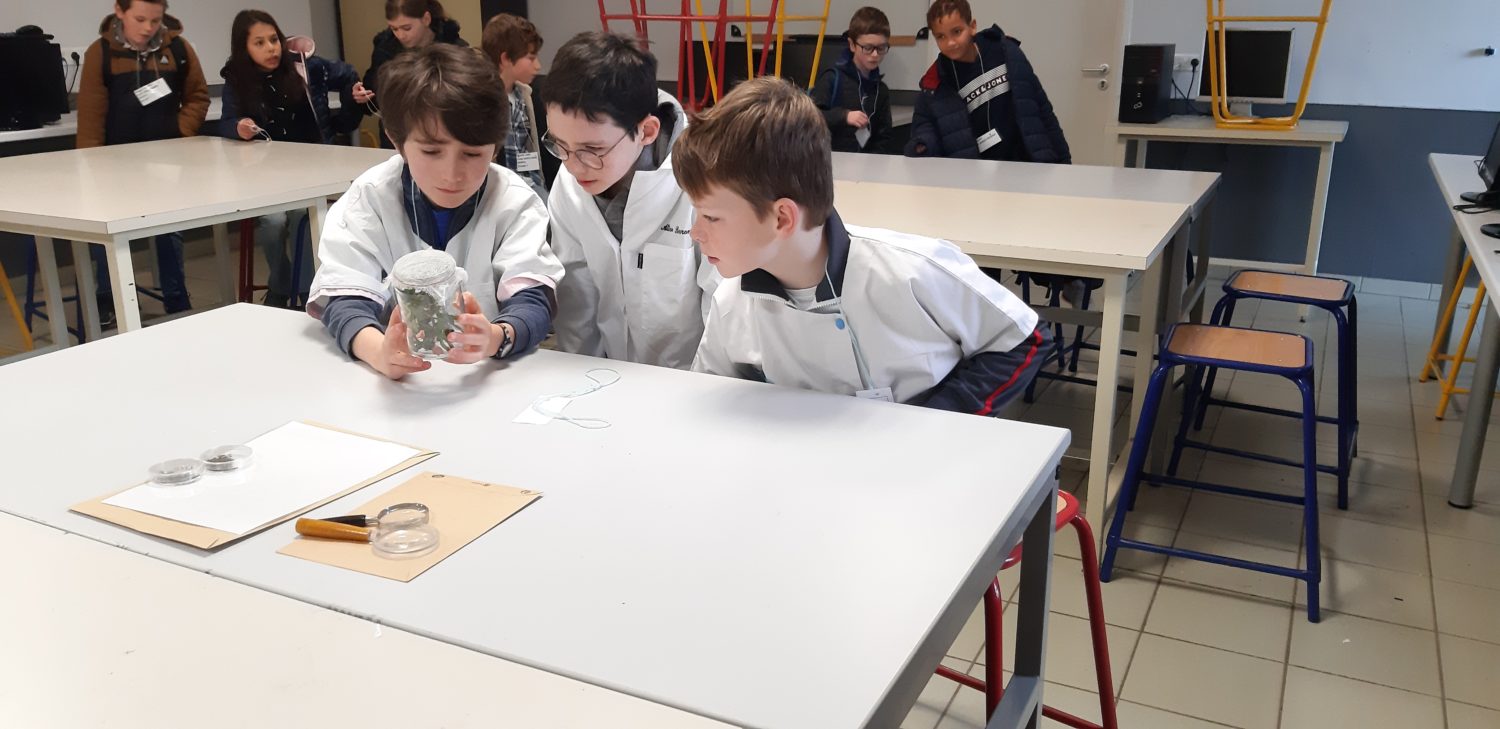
(940, 125)
(323, 76)
(838, 92)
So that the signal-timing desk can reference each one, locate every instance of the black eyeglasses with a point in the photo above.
(879, 50)
(587, 158)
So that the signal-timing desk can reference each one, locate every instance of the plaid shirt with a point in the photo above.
(518, 140)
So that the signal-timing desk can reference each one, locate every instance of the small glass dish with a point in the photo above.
(226, 458)
(176, 472)
(404, 531)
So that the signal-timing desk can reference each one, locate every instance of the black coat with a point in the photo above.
(838, 92)
(387, 47)
(940, 125)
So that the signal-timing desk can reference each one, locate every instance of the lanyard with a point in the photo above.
(989, 123)
(865, 380)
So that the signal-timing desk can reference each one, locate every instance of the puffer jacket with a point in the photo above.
(839, 90)
(940, 125)
(108, 110)
(321, 76)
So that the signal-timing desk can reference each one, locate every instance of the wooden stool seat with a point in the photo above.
(1291, 285)
(1232, 344)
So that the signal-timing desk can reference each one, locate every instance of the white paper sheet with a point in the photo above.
(294, 466)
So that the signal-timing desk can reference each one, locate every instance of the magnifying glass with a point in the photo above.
(399, 531)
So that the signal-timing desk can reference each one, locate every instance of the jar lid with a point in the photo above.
(423, 268)
(176, 472)
(226, 458)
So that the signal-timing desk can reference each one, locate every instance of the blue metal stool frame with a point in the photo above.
(34, 308)
(1347, 419)
(1302, 376)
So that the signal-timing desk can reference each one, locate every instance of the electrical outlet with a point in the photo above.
(1184, 62)
(67, 58)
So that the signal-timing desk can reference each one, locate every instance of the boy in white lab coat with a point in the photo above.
(812, 303)
(636, 288)
(445, 110)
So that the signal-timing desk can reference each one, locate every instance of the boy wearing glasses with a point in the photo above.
(636, 287)
(854, 100)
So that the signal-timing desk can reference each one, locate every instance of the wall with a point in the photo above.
(1410, 78)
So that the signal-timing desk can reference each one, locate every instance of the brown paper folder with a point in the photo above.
(206, 538)
(462, 510)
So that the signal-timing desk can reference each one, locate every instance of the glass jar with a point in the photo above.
(429, 288)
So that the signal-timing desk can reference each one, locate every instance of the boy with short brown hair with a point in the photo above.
(812, 303)
(512, 43)
(856, 103)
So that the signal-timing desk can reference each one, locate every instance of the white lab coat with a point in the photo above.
(918, 306)
(503, 248)
(644, 298)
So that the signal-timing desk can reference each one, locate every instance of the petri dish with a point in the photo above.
(176, 472)
(226, 458)
(404, 531)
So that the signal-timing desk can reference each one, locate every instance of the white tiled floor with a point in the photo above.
(1410, 635)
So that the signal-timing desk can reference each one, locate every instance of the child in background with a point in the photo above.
(275, 88)
(855, 101)
(809, 302)
(511, 43)
(981, 98)
(141, 82)
(409, 24)
(445, 111)
(637, 289)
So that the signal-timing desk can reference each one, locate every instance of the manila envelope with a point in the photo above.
(206, 538)
(460, 509)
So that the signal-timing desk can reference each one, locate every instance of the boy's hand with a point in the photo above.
(246, 129)
(857, 119)
(362, 94)
(479, 340)
(387, 352)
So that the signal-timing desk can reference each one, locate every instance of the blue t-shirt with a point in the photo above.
(442, 218)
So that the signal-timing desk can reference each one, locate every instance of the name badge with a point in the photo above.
(987, 140)
(880, 393)
(152, 92)
(862, 135)
(528, 162)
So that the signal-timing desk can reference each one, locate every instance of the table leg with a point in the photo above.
(57, 317)
(1319, 206)
(225, 261)
(317, 214)
(86, 291)
(1022, 704)
(1451, 267)
(1101, 450)
(1202, 248)
(1140, 154)
(122, 277)
(1122, 146)
(1477, 419)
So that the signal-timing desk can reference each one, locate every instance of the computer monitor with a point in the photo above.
(1256, 62)
(1489, 167)
(38, 93)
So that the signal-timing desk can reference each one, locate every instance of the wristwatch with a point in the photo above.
(506, 342)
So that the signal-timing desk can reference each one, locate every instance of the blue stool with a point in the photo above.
(1249, 350)
(1333, 295)
(34, 308)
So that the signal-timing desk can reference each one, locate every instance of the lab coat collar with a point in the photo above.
(762, 282)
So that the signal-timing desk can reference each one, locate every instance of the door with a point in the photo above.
(1076, 47)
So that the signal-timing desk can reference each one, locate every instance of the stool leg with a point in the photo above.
(1100, 639)
(1458, 356)
(1310, 494)
(1354, 374)
(1223, 316)
(1346, 403)
(994, 647)
(1189, 407)
(1133, 467)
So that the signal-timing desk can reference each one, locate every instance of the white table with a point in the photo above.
(1320, 134)
(1094, 237)
(187, 646)
(111, 195)
(67, 126)
(750, 553)
(1456, 175)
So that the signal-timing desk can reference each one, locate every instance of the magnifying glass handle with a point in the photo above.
(322, 529)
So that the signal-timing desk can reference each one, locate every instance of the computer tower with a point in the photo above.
(37, 92)
(1146, 82)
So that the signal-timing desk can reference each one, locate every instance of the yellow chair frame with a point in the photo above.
(1218, 78)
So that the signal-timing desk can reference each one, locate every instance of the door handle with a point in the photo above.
(1101, 69)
